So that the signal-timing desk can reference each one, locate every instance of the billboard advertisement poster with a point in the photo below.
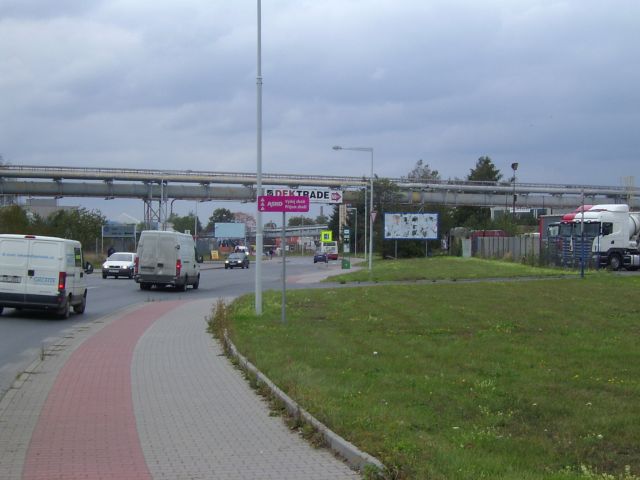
(229, 230)
(411, 226)
(119, 230)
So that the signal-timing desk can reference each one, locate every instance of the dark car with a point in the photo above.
(320, 257)
(237, 260)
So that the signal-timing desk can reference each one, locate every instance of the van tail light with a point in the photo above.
(62, 281)
(135, 265)
(178, 267)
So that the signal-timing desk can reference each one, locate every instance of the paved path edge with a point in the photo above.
(354, 457)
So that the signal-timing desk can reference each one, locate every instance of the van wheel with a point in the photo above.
(65, 310)
(197, 284)
(80, 308)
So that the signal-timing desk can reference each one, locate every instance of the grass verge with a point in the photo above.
(443, 268)
(521, 380)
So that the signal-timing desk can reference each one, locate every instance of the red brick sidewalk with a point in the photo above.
(87, 428)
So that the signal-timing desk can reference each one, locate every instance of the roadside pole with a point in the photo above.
(283, 203)
(283, 249)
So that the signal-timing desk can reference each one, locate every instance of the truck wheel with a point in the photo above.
(65, 310)
(80, 308)
(615, 262)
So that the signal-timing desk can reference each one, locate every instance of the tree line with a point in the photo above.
(77, 223)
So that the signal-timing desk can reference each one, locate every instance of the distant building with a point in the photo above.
(44, 207)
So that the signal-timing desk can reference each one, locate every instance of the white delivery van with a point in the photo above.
(45, 273)
(167, 259)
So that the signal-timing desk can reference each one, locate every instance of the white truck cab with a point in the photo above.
(44, 273)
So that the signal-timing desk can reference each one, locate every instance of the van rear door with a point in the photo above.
(167, 254)
(14, 253)
(45, 265)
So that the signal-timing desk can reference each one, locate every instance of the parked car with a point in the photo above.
(320, 257)
(237, 260)
(119, 264)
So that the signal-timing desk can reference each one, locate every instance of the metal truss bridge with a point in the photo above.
(158, 187)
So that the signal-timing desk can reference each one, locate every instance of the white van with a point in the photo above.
(45, 273)
(167, 259)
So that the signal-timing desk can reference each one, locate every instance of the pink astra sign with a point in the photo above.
(282, 203)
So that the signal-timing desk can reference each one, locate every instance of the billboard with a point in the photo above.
(229, 230)
(315, 195)
(118, 230)
(413, 226)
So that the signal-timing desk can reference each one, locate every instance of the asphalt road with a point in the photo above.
(23, 334)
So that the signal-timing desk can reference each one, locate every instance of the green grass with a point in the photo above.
(441, 268)
(510, 380)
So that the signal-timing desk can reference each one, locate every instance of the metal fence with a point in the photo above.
(519, 249)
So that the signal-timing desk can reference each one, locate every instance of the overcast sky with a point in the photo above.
(553, 85)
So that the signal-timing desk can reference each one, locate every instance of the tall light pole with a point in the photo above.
(370, 150)
(514, 167)
(258, 294)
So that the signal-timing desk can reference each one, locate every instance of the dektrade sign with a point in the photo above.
(314, 195)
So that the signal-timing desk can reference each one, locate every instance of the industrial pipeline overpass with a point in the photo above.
(156, 188)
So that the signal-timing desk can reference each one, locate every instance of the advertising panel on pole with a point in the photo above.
(119, 230)
(229, 230)
(315, 195)
(273, 203)
(412, 226)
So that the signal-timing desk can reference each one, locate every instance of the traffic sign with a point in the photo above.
(282, 203)
(326, 236)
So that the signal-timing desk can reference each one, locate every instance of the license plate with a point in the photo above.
(113, 270)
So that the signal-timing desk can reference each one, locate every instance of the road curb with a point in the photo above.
(355, 458)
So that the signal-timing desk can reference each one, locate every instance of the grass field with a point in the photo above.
(511, 380)
(442, 268)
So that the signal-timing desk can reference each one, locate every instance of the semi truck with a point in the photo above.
(608, 237)
(616, 244)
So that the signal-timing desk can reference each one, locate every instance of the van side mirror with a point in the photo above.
(199, 259)
(88, 267)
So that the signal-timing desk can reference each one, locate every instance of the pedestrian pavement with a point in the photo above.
(146, 393)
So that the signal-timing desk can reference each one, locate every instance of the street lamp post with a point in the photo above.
(370, 150)
(259, 247)
(514, 167)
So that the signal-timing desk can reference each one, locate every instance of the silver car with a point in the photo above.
(119, 264)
